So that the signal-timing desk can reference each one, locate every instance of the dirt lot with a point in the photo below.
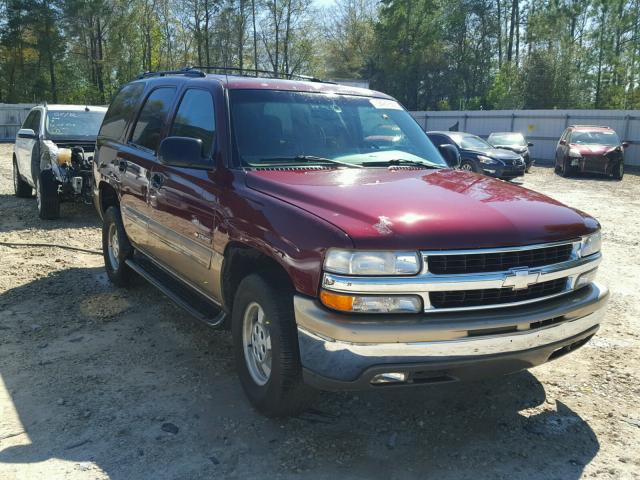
(93, 379)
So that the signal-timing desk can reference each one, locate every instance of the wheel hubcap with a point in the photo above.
(467, 167)
(256, 340)
(113, 246)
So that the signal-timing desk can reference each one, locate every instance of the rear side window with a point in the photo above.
(153, 118)
(121, 110)
(195, 119)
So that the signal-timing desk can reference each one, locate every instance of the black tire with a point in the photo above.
(618, 172)
(116, 254)
(21, 188)
(468, 166)
(565, 170)
(282, 392)
(48, 200)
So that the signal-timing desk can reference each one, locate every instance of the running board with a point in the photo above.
(182, 295)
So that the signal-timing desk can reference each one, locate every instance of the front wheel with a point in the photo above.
(116, 248)
(47, 197)
(265, 344)
(564, 168)
(468, 166)
(618, 173)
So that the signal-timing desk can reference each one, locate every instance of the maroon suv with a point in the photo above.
(590, 149)
(320, 224)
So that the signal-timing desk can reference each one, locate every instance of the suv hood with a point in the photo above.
(587, 150)
(407, 208)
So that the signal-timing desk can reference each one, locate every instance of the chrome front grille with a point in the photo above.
(498, 261)
(480, 278)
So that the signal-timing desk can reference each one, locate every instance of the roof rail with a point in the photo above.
(189, 71)
(254, 72)
(591, 126)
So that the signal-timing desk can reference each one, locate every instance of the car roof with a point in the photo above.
(506, 133)
(591, 128)
(238, 82)
(74, 108)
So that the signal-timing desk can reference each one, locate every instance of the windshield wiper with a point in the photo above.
(400, 161)
(304, 158)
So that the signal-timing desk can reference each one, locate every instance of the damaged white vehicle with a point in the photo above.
(53, 153)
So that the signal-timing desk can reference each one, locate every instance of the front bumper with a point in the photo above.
(504, 171)
(345, 352)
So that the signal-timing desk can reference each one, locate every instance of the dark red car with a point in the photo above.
(590, 149)
(321, 226)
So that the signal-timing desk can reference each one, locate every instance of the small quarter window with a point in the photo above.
(153, 118)
(195, 119)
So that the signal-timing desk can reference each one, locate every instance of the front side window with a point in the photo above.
(281, 126)
(33, 121)
(595, 138)
(195, 119)
(153, 118)
(72, 124)
(121, 110)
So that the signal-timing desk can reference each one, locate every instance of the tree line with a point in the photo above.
(430, 54)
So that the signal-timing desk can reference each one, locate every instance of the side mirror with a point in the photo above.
(529, 144)
(26, 133)
(450, 154)
(563, 142)
(182, 152)
(625, 144)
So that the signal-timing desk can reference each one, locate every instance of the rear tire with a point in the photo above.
(47, 198)
(21, 188)
(265, 341)
(116, 248)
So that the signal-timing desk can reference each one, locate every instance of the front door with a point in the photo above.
(26, 148)
(183, 215)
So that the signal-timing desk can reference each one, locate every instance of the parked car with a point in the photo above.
(338, 259)
(592, 149)
(53, 153)
(477, 155)
(515, 142)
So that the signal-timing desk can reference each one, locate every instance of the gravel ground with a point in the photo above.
(97, 382)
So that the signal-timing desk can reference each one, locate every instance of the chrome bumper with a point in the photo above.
(346, 350)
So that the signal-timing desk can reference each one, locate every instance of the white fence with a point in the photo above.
(541, 127)
(11, 117)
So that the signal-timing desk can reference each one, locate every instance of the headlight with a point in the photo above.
(354, 262)
(488, 160)
(371, 303)
(573, 153)
(591, 244)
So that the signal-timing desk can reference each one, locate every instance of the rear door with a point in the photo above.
(183, 214)
(135, 161)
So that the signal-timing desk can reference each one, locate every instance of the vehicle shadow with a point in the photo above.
(121, 382)
(21, 213)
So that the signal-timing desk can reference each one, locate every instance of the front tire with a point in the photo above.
(21, 188)
(564, 168)
(47, 198)
(468, 166)
(116, 248)
(266, 351)
(619, 171)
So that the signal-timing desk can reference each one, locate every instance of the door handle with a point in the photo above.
(122, 165)
(157, 180)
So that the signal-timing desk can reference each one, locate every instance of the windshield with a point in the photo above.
(300, 128)
(510, 139)
(73, 124)
(469, 141)
(595, 138)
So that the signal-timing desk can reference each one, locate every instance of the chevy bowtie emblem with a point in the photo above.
(520, 278)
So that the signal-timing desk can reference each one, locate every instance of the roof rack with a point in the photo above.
(189, 71)
(590, 126)
(255, 72)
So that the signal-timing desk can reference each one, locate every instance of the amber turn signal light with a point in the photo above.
(344, 303)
